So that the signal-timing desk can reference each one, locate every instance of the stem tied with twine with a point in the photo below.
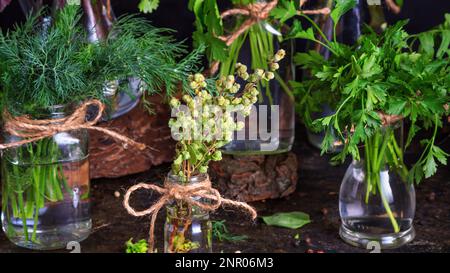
(209, 200)
(255, 12)
(32, 130)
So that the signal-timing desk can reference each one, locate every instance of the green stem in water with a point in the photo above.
(23, 215)
(388, 209)
(284, 86)
(376, 157)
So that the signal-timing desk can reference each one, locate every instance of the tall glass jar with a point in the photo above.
(187, 228)
(45, 189)
(375, 201)
(270, 128)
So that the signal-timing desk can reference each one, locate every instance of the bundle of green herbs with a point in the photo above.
(51, 65)
(380, 79)
(44, 66)
(211, 29)
(202, 125)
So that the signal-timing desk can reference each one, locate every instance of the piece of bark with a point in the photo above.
(109, 159)
(254, 178)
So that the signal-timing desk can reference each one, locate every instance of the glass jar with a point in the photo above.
(375, 201)
(187, 228)
(45, 189)
(270, 128)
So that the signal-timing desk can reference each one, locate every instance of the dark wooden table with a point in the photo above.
(317, 195)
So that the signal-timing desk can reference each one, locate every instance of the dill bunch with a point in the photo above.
(45, 66)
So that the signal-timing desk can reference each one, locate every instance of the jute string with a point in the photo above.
(209, 199)
(255, 12)
(32, 130)
(387, 119)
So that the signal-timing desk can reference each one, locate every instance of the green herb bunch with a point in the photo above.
(43, 66)
(379, 75)
(203, 123)
(262, 38)
(210, 26)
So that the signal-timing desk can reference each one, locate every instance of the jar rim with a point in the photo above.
(194, 179)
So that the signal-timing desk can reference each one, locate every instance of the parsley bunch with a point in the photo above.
(379, 75)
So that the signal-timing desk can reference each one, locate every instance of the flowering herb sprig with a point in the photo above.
(204, 122)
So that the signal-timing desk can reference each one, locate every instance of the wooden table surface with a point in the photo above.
(316, 194)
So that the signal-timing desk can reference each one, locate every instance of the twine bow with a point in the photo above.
(33, 129)
(209, 199)
(256, 12)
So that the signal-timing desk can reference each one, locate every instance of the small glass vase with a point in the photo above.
(187, 228)
(45, 189)
(376, 204)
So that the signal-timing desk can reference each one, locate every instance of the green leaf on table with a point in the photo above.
(140, 246)
(292, 220)
(342, 6)
(221, 233)
(148, 6)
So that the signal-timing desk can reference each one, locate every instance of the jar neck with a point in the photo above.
(175, 179)
(58, 111)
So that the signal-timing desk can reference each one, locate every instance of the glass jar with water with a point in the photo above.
(187, 228)
(45, 188)
(376, 203)
(270, 128)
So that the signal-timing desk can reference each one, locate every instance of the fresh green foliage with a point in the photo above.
(148, 6)
(292, 220)
(140, 246)
(285, 10)
(380, 74)
(208, 28)
(55, 65)
(40, 70)
(211, 28)
(204, 123)
(341, 7)
(221, 233)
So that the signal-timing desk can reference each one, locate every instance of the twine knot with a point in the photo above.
(255, 12)
(387, 119)
(32, 130)
(200, 194)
